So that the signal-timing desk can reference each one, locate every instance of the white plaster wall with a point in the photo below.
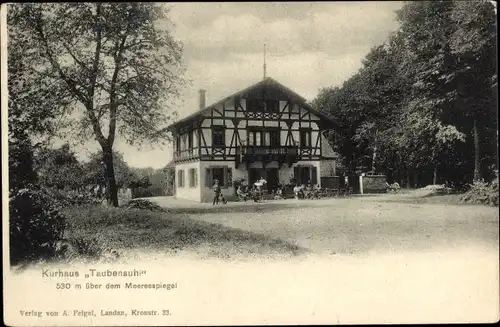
(186, 192)
(285, 174)
(207, 193)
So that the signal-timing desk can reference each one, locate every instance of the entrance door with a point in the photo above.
(272, 179)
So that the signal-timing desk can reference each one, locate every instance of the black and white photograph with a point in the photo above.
(249, 163)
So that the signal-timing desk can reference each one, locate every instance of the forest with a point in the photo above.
(423, 108)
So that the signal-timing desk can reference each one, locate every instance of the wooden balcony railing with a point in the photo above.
(282, 154)
(185, 154)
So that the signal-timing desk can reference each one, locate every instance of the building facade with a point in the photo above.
(265, 130)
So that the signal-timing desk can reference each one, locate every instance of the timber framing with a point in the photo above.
(288, 117)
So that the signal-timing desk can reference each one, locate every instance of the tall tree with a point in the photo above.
(116, 63)
(474, 43)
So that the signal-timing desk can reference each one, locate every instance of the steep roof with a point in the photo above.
(268, 81)
(326, 148)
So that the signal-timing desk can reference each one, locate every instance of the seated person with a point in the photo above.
(242, 195)
(278, 195)
(255, 194)
(309, 191)
(297, 190)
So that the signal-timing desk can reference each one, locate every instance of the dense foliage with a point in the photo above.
(482, 193)
(110, 68)
(36, 225)
(422, 109)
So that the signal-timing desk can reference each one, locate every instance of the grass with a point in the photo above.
(122, 229)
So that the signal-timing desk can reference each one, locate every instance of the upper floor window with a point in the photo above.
(272, 106)
(305, 138)
(178, 144)
(218, 136)
(258, 105)
(190, 140)
(264, 138)
(254, 105)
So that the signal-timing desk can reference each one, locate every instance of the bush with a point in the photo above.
(483, 193)
(86, 247)
(143, 204)
(36, 225)
(71, 197)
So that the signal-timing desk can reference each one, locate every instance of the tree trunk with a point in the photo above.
(477, 153)
(415, 180)
(408, 180)
(110, 176)
(374, 158)
(435, 176)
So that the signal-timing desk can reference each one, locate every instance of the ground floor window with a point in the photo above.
(180, 178)
(306, 175)
(221, 173)
(193, 178)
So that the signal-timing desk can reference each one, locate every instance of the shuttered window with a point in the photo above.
(306, 175)
(180, 178)
(193, 178)
(314, 176)
(223, 174)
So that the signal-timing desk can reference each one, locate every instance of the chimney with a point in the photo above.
(202, 98)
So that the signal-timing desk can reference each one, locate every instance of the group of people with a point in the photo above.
(255, 193)
(306, 192)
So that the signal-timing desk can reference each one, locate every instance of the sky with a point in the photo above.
(309, 46)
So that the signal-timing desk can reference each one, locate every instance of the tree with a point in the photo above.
(95, 171)
(112, 62)
(59, 168)
(474, 43)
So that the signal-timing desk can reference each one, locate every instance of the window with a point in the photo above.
(222, 173)
(306, 175)
(305, 138)
(193, 178)
(190, 140)
(180, 178)
(264, 138)
(178, 144)
(218, 174)
(258, 105)
(218, 136)
(272, 106)
(254, 105)
(274, 138)
(183, 146)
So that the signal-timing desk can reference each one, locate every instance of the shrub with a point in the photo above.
(86, 247)
(72, 197)
(36, 225)
(143, 204)
(483, 193)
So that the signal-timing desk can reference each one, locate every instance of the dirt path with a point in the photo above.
(364, 224)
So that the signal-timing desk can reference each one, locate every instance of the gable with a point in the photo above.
(266, 89)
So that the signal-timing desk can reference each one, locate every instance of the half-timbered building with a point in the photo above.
(265, 130)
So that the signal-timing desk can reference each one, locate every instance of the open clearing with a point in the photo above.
(373, 259)
(358, 224)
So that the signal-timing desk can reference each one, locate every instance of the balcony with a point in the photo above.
(185, 155)
(281, 154)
